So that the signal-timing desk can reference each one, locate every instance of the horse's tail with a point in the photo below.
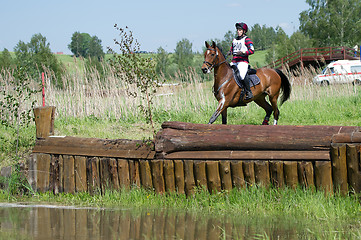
(285, 85)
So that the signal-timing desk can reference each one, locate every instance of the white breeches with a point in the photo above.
(242, 67)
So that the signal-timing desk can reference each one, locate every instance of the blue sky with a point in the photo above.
(154, 23)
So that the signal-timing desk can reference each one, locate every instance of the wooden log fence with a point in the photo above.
(184, 156)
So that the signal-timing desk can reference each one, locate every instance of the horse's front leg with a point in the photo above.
(220, 109)
(224, 116)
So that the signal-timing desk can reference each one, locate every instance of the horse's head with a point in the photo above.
(210, 57)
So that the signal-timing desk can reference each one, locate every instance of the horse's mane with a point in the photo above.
(220, 48)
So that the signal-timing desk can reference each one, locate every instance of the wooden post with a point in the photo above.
(306, 174)
(69, 180)
(248, 170)
(134, 173)
(123, 173)
(290, 173)
(105, 178)
(179, 175)
(339, 168)
(113, 171)
(323, 176)
(169, 179)
(145, 174)
(80, 173)
(157, 176)
(262, 175)
(93, 179)
(44, 121)
(237, 174)
(43, 172)
(200, 174)
(353, 169)
(189, 180)
(213, 178)
(225, 174)
(276, 173)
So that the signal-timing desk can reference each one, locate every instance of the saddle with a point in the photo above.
(254, 80)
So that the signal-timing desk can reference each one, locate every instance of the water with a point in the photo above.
(25, 221)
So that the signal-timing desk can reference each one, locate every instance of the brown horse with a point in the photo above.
(228, 93)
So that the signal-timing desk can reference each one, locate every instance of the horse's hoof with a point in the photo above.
(265, 122)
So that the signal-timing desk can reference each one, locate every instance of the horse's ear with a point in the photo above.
(213, 44)
(207, 45)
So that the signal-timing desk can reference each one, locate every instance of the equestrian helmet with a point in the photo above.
(243, 26)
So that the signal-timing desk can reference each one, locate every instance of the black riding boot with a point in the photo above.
(247, 83)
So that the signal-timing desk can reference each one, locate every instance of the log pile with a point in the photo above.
(204, 141)
(214, 157)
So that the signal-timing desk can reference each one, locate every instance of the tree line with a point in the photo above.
(325, 23)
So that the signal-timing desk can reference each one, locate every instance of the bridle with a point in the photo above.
(213, 65)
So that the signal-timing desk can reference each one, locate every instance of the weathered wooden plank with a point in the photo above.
(225, 174)
(237, 174)
(262, 174)
(290, 173)
(93, 175)
(56, 173)
(122, 148)
(44, 121)
(200, 174)
(157, 175)
(248, 171)
(105, 178)
(353, 167)
(113, 171)
(169, 178)
(339, 169)
(177, 136)
(276, 173)
(69, 179)
(80, 173)
(213, 178)
(43, 172)
(250, 155)
(134, 173)
(123, 172)
(306, 174)
(323, 176)
(179, 175)
(189, 181)
(145, 174)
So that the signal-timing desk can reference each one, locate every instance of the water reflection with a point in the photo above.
(19, 221)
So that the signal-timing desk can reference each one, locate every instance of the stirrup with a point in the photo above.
(248, 96)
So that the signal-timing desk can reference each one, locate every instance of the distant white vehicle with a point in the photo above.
(341, 71)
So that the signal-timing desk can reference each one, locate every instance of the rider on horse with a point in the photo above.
(241, 48)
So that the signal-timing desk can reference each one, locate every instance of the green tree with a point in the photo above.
(83, 45)
(6, 61)
(332, 23)
(262, 37)
(95, 48)
(162, 61)
(183, 55)
(36, 55)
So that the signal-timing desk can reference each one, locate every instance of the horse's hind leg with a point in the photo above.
(261, 101)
